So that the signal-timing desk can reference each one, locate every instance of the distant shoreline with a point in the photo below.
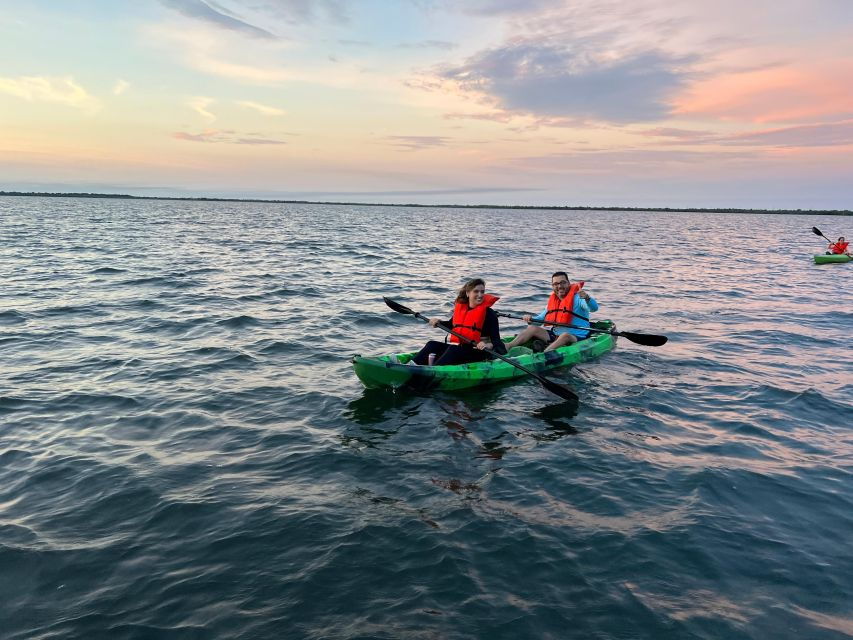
(121, 196)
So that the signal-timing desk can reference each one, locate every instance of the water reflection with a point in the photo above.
(460, 414)
(375, 404)
(372, 409)
(557, 417)
(465, 417)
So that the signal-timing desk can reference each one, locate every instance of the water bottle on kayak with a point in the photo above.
(431, 359)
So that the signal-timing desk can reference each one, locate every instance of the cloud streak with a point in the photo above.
(63, 90)
(634, 162)
(416, 143)
(443, 45)
(224, 136)
(200, 10)
(199, 104)
(831, 134)
(262, 108)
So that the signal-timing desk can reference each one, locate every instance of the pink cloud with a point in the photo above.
(774, 94)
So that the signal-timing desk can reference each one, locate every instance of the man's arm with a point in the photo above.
(583, 307)
(541, 315)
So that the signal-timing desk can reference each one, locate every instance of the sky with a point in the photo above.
(657, 103)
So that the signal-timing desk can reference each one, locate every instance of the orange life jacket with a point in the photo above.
(469, 322)
(561, 310)
(839, 247)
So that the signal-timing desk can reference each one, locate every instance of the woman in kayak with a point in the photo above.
(839, 247)
(472, 318)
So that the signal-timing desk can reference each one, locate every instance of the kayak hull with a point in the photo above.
(385, 372)
(831, 259)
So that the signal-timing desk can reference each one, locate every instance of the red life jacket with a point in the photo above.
(469, 322)
(839, 247)
(561, 310)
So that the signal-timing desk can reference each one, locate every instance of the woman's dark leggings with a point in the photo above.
(446, 353)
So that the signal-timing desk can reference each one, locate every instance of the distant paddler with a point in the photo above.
(838, 248)
(569, 304)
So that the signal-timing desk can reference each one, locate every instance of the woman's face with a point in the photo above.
(475, 295)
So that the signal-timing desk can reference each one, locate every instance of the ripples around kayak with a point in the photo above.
(186, 453)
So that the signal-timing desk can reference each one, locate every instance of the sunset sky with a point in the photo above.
(545, 102)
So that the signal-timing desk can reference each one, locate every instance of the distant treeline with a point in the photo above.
(823, 212)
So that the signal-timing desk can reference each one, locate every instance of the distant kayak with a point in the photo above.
(394, 371)
(830, 258)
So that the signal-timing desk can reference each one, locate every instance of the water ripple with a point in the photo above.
(185, 451)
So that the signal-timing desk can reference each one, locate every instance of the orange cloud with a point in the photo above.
(777, 94)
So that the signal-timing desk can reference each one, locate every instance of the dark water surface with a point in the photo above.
(186, 453)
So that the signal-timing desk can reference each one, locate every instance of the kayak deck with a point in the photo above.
(831, 258)
(395, 371)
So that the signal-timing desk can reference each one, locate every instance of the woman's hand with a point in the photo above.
(433, 322)
(527, 318)
(484, 345)
(583, 294)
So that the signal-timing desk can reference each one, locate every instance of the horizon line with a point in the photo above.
(123, 196)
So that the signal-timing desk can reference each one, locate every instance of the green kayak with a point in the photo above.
(830, 258)
(394, 371)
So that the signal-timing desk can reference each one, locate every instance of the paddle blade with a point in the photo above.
(645, 339)
(559, 389)
(816, 231)
(396, 306)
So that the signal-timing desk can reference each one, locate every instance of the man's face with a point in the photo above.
(560, 285)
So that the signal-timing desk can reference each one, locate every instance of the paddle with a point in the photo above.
(561, 390)
(646, 339)
(817, 232)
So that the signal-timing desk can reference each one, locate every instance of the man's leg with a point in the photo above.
(562, 340)
(529, 333)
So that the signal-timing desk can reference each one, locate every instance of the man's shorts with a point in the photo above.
(553, 336)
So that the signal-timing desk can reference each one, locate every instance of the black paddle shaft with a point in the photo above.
(554, 387)
(645, 339)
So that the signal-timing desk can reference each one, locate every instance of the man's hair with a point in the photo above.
(560, 273)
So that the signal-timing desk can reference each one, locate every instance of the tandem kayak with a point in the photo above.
(831, 258)
(394, 371)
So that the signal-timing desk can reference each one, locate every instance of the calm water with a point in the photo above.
(186, 453)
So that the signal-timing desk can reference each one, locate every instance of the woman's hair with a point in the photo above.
(462, 296)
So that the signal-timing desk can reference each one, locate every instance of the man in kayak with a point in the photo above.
(839, 248)
(568, 304)
(473, 318)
